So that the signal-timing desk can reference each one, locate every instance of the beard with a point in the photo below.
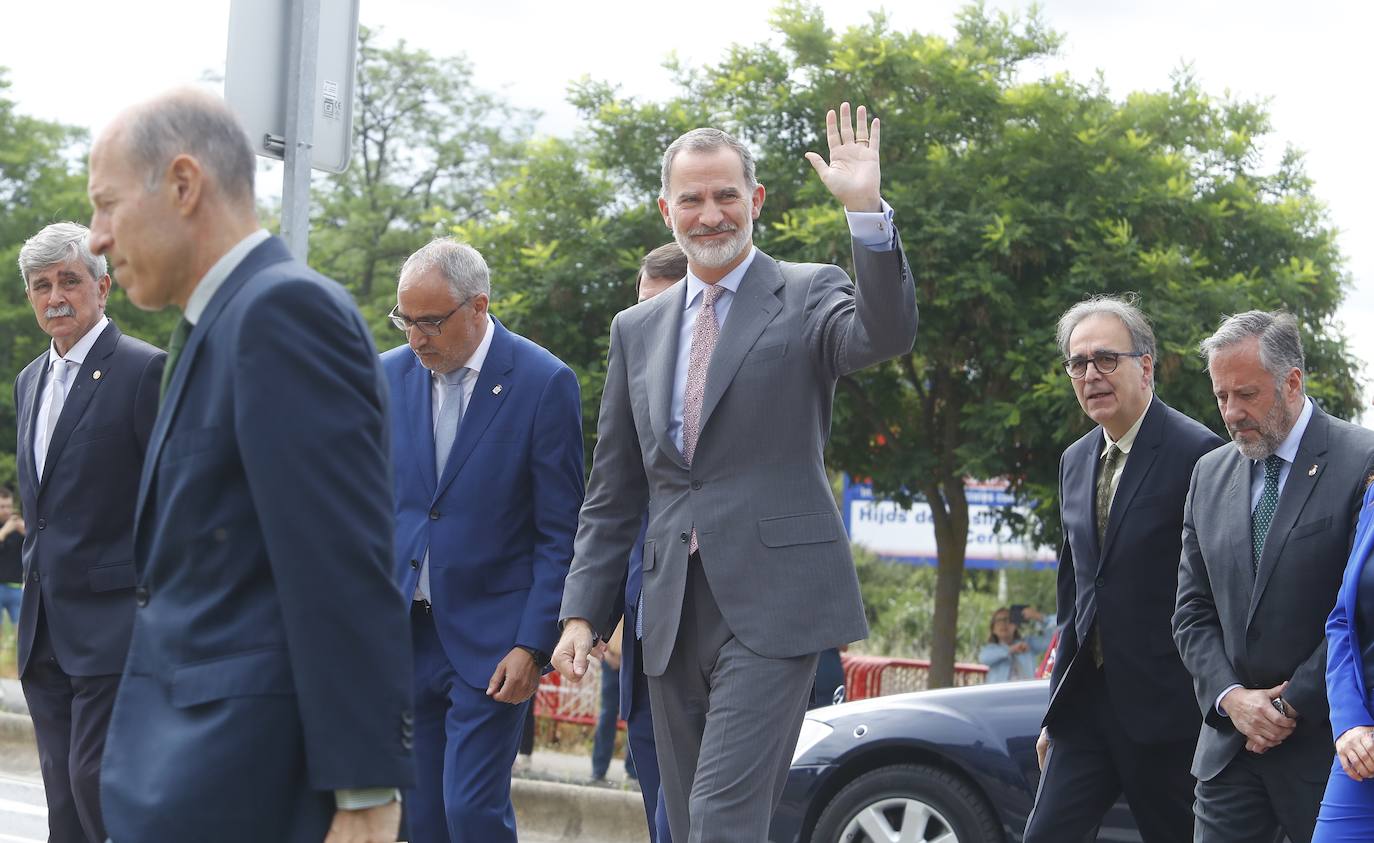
(1272, 429)
(716, 254)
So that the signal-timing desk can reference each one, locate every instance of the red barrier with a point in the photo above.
(864, 677)
(878, 676)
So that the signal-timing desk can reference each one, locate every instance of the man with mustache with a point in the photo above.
(715, 413)
(1121, 716)
(1266, 531)
(85, 409)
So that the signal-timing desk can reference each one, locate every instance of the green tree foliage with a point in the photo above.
(427, 149)
(1017, 193)
(41, 181)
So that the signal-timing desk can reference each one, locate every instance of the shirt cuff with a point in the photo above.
(873, 229)
(359, 798)
(1217, 704)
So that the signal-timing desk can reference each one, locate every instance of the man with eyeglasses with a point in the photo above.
(486, 445)
(1121, 717)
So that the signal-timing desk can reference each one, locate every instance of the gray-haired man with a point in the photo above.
(1121, 717)
(1266, 531)
(85, 409)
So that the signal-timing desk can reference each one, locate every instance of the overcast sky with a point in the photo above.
(80, 61)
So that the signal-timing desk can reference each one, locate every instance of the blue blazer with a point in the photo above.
(499, 522)
(1346, 691)
(270, 661)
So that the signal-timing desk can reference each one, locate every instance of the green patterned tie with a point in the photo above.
(1263, 515)
(179, 335)
(1104, 492)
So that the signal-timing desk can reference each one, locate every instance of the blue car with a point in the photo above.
(954, 766)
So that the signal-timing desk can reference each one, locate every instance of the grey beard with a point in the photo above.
(713, 256)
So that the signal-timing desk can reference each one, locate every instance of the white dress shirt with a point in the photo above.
(75, 358)
(219, 273)
(1124, 446)
(871, 229)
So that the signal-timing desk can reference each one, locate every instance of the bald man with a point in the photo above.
(267, 691)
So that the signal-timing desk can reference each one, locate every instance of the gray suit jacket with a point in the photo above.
(772, 543)
(1233, 627)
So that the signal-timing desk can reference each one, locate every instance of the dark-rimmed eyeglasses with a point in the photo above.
(428, 327)
(1105, 362)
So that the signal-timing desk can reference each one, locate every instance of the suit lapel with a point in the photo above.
(661, 330)
(270, 251)
(79, 396)
(755, 305)
(1307, 468)
(1138, 463)
(28, 426)
(418, 411)
(1236, 510)
(488, 395)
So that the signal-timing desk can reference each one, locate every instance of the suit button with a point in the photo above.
(35, 576)
(1101, 583)
(696, 484)
(141, 596)
(407, 718)
(407, 744)
(434, 515)
(42, 523)
(414, 563)
(685, 538)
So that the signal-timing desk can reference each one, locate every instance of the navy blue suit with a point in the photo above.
(269, 664)
(634, 700)
(498, 524)
(78, 604)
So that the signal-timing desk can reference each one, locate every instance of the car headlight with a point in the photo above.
(812, 733)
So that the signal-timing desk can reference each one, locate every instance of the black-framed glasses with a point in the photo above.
(428, 327)
(1105, 362)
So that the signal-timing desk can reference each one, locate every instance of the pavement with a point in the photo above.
(555, 801)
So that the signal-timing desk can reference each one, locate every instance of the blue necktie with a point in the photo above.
(446, 429)
(445, 432)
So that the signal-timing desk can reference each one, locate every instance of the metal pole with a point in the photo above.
(302, 58)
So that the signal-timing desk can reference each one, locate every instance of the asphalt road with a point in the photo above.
(24, 817)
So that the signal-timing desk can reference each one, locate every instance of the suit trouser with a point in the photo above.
(1263, 797)
(726, 721)
(639, 729)
(465, 744)
(71, 715)
(1347, 812)
(1092, 762)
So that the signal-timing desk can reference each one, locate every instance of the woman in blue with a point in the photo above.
(1347, 812)
(1006, 654)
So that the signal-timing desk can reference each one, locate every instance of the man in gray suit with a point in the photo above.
(1266, 530)
(715, 415)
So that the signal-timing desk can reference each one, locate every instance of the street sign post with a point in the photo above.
(289, 77)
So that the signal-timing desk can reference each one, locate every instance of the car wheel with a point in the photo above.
(908, 803)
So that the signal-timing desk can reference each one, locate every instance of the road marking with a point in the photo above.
(9, 806)
(21, 781)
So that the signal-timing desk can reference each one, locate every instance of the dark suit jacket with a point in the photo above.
(1129, 585)
(499, 521)
(770, 534)
(270, 662)
(1235, 628)
(629, 659)
(79, 550)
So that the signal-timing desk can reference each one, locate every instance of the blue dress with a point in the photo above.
(1347, 812)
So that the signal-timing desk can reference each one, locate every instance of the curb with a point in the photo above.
(570, 812)
(553, 810)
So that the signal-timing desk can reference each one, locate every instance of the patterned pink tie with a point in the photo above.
(704, 336)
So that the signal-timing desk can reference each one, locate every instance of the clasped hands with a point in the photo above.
(1253, 714)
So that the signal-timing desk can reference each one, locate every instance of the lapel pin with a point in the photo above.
(95, 376)
(496, 390)
(1312, 472)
